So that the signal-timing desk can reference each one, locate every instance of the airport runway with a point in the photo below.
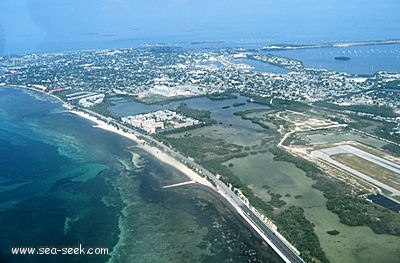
(325, 154)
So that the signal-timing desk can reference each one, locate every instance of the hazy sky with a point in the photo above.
(33, 24)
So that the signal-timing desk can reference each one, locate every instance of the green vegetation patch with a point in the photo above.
(371, 169)
(203, 116)
(371, 109)
(102, 108)
(222, 96)
(238, 104)
(158, 99)
(310, 169)
(276, 200)
(227, 177)
(385, 131)
(392, 149)
(203, 148)
(256, 120)
(281, 104)
(212, 153)
(333, 232)
(352, 209)
(293, 224)
(356, 211)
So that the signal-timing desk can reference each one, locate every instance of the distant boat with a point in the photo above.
(342, 58)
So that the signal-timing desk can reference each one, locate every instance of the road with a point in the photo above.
(325, 155)
(364, 155)
(267, 234)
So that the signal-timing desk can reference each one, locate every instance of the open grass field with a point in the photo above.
(371, 169)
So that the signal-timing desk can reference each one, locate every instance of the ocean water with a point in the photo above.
(65, 25)
(364, 59)
(64, 183)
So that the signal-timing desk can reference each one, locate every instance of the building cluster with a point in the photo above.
(159, 120)
(280, 61)
(173, 72)
(85, 99)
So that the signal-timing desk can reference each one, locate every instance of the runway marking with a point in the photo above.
(325, 154)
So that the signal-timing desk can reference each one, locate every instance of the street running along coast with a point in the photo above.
(268, 232)
(198, 174)
(160, 155)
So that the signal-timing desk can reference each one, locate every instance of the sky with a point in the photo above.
(38, 25)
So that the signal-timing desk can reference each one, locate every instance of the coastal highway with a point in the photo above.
(267, 234)
(289, 254)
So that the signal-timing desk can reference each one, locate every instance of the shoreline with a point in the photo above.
(157, 153)
(192, 175)
(220, 190)
(365, 43)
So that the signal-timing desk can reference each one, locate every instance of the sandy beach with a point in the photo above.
(162, 156)
(194, 177)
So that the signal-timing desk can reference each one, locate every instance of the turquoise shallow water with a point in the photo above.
(64, 183)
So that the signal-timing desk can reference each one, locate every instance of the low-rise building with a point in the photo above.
(159, 120)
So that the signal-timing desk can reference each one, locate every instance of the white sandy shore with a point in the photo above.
(167, 159)
(162, 156)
